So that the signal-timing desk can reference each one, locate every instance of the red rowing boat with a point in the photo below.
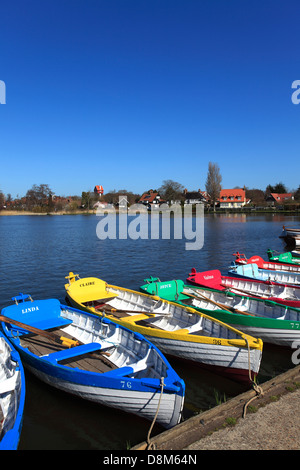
(282, 293)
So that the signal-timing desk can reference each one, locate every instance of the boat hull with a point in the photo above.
(291, 236)
(230, 361)
(276, 292)
(124, 398)
(284, 258)
(12, 395)
(149, 388)
(272, 264)
(225, 350)
(272, 322)
(262, 328)
(251, 271)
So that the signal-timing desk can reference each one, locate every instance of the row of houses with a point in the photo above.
(228, 199)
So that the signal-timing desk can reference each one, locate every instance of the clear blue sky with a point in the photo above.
(128, 93)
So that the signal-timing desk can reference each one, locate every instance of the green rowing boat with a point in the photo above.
(287, 257)
(272, 322)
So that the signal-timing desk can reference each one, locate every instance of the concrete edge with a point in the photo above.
(197, 427)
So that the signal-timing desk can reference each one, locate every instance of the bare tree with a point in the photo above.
(171, 190)
(2, 199)
(39, 197)
(213, 182)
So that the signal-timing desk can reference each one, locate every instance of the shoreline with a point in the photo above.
(224, 427)
(12, 213)
(116, 210)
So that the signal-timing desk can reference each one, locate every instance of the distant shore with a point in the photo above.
(247, 211)
(4, 212)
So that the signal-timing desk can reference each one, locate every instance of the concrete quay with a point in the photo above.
(267, 419)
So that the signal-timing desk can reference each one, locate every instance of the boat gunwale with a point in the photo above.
(80, 376)
(245, 340)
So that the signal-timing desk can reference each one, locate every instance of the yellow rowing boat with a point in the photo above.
(177, 330)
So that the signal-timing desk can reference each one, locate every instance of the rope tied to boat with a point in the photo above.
(151, 445)
(258, 390)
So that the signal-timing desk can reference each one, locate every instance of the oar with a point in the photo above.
(244, 292)
(62, 340)
(47, 334)
(112, 310)
(221, 306)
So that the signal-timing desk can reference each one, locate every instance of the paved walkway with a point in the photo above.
(275, 426)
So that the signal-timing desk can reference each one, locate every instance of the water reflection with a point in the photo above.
(36, 253)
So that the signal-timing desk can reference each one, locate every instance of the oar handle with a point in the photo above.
(47, 334)
(221, 306)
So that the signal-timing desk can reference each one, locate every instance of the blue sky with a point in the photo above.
(128, 93)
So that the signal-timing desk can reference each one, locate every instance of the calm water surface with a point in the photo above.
(36, 254)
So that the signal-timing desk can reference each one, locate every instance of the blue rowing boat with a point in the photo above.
(12, 395)
(252, 271)
(94, 358)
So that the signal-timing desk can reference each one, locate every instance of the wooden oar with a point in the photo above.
(47, 334)
(113, 309)
(62, 340)
(221, 306)
(244, 292)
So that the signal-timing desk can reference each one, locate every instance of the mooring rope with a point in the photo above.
(258, 390)
(150, 444)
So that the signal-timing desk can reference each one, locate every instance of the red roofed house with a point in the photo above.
(98, 190)
(233, 198)
(151, 199)
(279, 197)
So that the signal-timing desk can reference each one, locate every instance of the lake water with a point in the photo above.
(37, 252)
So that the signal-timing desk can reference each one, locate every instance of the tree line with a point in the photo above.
(41, 198)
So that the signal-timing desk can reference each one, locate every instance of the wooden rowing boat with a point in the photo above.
(272, 322)
(277, 292)
(253, 272)
(176, 330)
(273, 265)
(291, 236)
(94, 358)
(12, 395)
(284, 258)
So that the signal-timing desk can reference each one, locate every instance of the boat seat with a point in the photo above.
(9, 384)
(129, 370)
(181, 330)
(50, 323)
(196, 327)
(137, 317)
(72, 352)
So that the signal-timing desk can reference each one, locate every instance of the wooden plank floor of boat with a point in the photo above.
(40, 346)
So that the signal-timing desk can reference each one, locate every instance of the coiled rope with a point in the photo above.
(151, 445)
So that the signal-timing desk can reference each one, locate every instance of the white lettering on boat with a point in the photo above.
(29, 309)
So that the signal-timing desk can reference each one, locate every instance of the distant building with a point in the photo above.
(279, 198)
(151, 199)
(195, 197)
(233, 198)
(100, 205)
(98, 190)
(123, 202)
